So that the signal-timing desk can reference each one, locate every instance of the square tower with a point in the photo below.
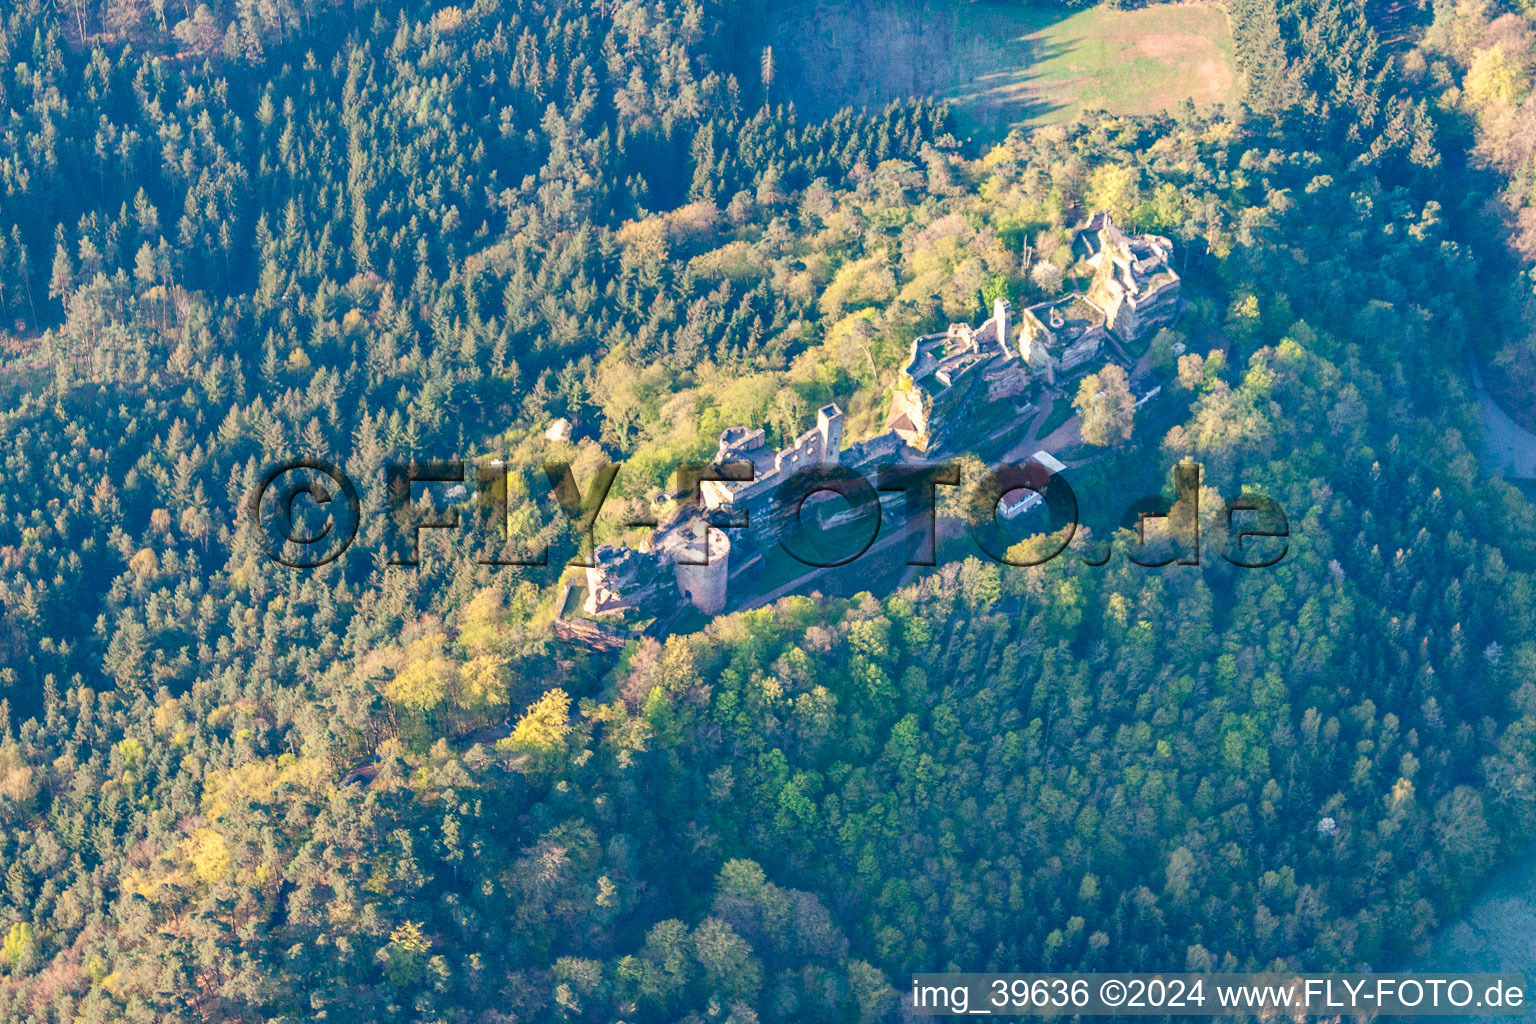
(829, 424)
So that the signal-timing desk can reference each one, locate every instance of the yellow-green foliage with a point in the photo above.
(211, 857)
(481, 621)
(858, 283)
(424, 680)
(482, 683)
(543, 728)
(1458, 29)
(131, 751)
(405, 958)
(1495, 78)
(1115, 188)
(170, 721)
(263, 781)
(20, 944)
(688, 424)
(950, 259)
(433, 686)
(733, 261)
(645, 247)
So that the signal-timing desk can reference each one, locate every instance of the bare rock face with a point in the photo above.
(1134, 282)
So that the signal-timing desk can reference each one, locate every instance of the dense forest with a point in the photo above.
(230, 790)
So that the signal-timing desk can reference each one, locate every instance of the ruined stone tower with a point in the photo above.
(705, 585)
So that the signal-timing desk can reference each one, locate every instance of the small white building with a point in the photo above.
(1041, 460)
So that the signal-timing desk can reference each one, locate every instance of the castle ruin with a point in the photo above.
(965, 386)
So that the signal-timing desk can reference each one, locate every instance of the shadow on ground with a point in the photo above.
(1001, 64)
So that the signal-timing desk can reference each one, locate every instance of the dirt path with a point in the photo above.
(1068, 435)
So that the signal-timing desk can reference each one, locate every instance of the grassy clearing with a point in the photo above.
(1005, 64)
(1496, 933)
